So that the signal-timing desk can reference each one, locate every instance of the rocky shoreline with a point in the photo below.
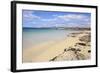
(76, 52)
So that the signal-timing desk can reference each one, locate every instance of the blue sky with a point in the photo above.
(37, 19)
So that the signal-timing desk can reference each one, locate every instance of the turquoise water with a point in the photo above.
(37, 36)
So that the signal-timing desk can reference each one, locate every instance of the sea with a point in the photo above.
(35, 36)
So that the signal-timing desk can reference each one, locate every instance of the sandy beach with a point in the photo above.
(74, 47)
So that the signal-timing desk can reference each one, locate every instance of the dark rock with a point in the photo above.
(89, 51)
(83, 44)
(65, 50)
(86, 38)
(53, 59)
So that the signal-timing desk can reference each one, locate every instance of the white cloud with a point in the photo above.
(29, 15)
(53, 19)
(73, 16)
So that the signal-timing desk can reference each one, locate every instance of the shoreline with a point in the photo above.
(58, 50)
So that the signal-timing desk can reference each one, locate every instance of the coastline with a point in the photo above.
(60, 50)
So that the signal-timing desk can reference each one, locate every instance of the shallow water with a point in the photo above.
(35, 36)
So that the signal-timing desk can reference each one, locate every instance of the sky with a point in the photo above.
(38, 19)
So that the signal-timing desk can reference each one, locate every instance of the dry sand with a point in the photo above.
(73, 47)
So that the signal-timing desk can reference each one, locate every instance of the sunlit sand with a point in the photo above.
(73, 47)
